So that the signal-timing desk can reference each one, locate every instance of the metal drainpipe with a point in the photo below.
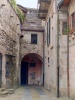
(68, 58)
(43, 56)
(58, 52)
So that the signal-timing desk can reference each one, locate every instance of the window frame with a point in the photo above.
(36, 38)
(73, 19)
(63, 31)
(48, 31)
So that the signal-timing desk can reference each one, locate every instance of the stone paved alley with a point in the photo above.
(31, 93)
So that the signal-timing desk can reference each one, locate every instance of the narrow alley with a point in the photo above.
(37, 49)
(31, 93)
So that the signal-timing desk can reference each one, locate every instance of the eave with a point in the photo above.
(32, 30)
(43, 8)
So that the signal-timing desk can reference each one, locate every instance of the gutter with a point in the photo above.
(58, 93)
(43, 57)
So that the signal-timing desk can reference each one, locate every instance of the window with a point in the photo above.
(48, 59)
(33, 64)
(73, 20)
(33, 38)
(64, 28)
(48, 32)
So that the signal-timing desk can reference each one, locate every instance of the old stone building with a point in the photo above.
(69, 6)
(31, 49)
(9, 45)
(55, 44)
(39, 50)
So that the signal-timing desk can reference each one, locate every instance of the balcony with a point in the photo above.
(43, 8)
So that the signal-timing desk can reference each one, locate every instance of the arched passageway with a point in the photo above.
(0, 69)
(31, 69)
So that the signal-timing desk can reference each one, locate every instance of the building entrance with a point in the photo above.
(24, 73)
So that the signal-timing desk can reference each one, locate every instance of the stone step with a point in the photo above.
(2, 89)
(4, 93)
(11, 91)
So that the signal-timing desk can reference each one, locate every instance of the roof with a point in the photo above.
(32, 22)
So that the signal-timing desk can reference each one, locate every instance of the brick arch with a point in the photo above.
(32, 69)
(35, 54)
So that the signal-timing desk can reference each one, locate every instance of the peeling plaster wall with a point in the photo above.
(51, 53)
(9, 39)
(27, 47)
(71, 9)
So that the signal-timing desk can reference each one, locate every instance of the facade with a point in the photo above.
(55, 57)
(31, 49)
(71, 23)
(9, 45)
(43, 51)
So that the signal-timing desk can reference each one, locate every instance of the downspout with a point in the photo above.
(58, 94)
(68, 81)
(43, 56)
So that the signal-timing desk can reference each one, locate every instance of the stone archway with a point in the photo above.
(0, 69)
(31, 69)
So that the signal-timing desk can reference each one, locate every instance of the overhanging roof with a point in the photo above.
(43, 8)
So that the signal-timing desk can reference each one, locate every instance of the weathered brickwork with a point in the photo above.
(51, 50)
(32, 25)
(9, 43)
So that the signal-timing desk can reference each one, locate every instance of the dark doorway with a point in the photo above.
(24, 73)
(0, 69)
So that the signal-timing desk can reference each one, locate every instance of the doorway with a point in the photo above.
(24, 73)
(0, 69)
(31, 70)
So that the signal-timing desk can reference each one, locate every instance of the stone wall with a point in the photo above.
(27, 47)
(71, 10)
(9, 40)
(51, 52)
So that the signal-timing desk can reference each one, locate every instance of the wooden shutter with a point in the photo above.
(47, 33)
(49, 29)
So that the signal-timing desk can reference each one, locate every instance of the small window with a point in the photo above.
(48, 32)
(73, 20)
(64, 28)
(48, 59)
(33, 38)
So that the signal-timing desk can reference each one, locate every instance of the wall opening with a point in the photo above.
(0, 69)
(24, 73)
(31, 70)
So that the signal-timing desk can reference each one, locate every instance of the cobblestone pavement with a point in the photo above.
(31, 93)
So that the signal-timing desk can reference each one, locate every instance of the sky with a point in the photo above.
(28, 3)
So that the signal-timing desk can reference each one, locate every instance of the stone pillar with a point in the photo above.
(3, 72)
